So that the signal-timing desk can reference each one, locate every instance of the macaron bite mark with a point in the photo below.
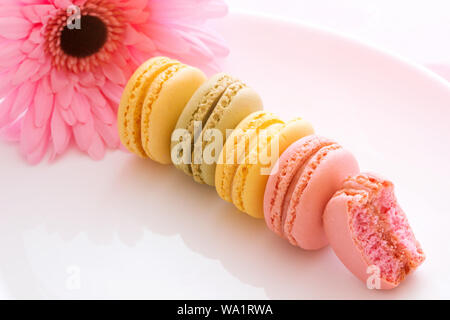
(220, 104)
(152, 103)
(369, 231)
(309, 172)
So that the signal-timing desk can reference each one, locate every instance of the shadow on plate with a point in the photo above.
(243, 245)
(208, 226)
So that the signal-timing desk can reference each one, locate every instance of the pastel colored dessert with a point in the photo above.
(245, 183)
(236, 149)
(367, 228)
(221, 103)
(305, 178)
(151, 104)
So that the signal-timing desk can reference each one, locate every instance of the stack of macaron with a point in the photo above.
(308, 188)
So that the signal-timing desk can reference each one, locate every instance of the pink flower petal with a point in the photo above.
(167, 39)
(5, 107)
(10, 55)
(14, 28)
(97, 149)
(31, 135)
(27, 46)
(104, 114)
(112, 91)
(5, 85)
(36, 36)
(108, 133)
(44, 10)
(58, 81)
(29, 13)
(26, 70)
(80, 107)
(83, 134)
(24, 99)
(136, 15)
(43, 103)
(43, 71)
(87, 79)
(60, 133)
(35, 156)
(114, 73)
(12, 132)
(137, 4)
(131, 36)
(68, 116)
(37, 53)
(95, 96)
(9, 10)
(64, 97)
(145, 43)
(62, 3)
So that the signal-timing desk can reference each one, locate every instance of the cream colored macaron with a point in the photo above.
(243, 183)
(151, 104)
(237, 149)
(250, 180)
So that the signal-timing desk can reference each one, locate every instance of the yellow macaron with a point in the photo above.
(244, 183)
(151, 104)
(236, 149)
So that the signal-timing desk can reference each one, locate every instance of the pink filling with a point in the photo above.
(384, 236)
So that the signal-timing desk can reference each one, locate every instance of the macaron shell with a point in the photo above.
(337, 229)
(161, 115)
(259, 145)
(199, 108)
(304, 216)
(252, 186)
(130, 106)
(230, 156)
(287, 168)
(229, 112)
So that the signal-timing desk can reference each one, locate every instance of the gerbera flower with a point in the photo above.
(62, 83)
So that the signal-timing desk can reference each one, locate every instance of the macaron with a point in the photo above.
(236, 149)
(151, 104)
(305, 178)
(250, 177)
(370, 233)
(218, 106)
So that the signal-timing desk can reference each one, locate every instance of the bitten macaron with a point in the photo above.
(218, 105)
(151, 104)
(370, 233)
(305, 178)
(243, 183)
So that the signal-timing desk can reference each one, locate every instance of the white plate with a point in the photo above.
(128, 228)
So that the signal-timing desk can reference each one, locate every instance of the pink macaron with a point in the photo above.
(370, 233)
(303, 180)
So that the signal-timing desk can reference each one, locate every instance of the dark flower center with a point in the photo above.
(85, 41)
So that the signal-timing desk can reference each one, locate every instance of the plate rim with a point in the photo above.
(351, 39)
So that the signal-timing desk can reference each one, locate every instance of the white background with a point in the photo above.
(417, 29)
